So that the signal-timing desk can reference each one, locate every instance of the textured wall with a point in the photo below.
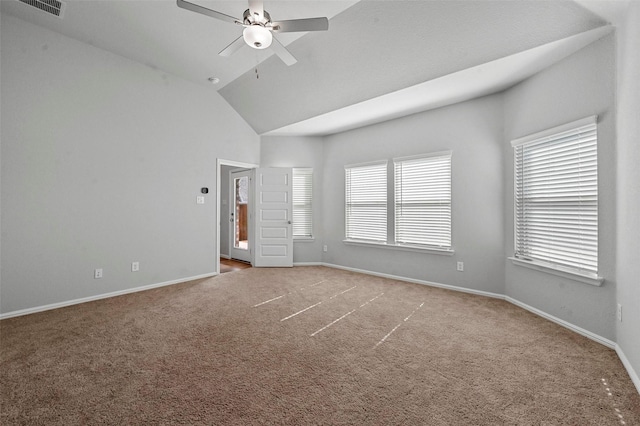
(577, 87)
(102, 160)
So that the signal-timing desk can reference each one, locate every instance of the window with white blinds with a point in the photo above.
(302, 195)
(556, 197)
(423, 200)
(366, 202)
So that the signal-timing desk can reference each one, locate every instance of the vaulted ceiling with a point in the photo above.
(376, 55)
(378, 47)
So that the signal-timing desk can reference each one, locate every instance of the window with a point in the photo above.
(418, 215)
(423, 200)
(556, 198)
(366, 202)
(302, 209)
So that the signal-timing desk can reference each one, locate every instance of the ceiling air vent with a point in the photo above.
(53, 7)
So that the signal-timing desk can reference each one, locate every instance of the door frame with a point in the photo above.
(219, 163)
(241, 254)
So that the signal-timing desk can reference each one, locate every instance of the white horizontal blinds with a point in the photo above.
(366, 202)
(423, 201)
(302, 199)
(556, 199)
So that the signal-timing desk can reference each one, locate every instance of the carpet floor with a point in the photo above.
(305, 345)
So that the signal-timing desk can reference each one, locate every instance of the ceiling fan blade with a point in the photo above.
(233, 47)
(256, 8)
(295, 25)
(203, 10)
(282, 52)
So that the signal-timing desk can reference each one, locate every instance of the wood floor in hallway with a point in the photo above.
(231, 265)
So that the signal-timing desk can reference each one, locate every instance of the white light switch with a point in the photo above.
(200, 199)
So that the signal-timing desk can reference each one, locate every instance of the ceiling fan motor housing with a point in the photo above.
(249, 19)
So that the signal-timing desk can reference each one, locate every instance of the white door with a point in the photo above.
(239, 215)
(274, 206)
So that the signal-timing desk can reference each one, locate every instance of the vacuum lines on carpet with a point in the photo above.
(383, 351)
(386, 336)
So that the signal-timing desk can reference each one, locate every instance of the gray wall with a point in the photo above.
(302, 151)
(473, 131)
(579, 86)
(102, 160)
(628, 193)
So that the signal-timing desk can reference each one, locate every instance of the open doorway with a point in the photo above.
(232, 242)
(239, 205)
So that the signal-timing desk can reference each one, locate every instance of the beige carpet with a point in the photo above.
(307, 345)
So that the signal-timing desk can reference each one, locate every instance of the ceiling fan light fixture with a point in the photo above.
(257, 36)
(258, 27)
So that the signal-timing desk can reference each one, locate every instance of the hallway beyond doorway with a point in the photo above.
(231, 265)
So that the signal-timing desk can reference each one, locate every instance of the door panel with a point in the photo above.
(274, 239)
(266, 232)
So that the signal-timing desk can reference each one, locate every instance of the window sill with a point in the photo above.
(443, 251)
(586, 278)
(303, 239)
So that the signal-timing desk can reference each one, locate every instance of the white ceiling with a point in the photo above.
(481, 80)
(380, 58)
(163, 36)
(611, 10)
(379, 47)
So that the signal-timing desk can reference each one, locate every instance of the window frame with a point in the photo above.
(575, 272)
(429, 158)
(389, 242)
(308, 207)
(348, 194)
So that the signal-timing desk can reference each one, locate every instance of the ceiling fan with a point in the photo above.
(258, 27)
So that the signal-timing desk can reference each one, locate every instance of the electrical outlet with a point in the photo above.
(97, 273)
(324, 248)
(135, 266)
(460, 266)
(619, 312)
(199, 199)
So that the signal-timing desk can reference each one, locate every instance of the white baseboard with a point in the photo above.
(597, 338)
(416, 281)
(632, 373)
(225, 256)
(308, 264)
(100, 296)
(586, 333)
